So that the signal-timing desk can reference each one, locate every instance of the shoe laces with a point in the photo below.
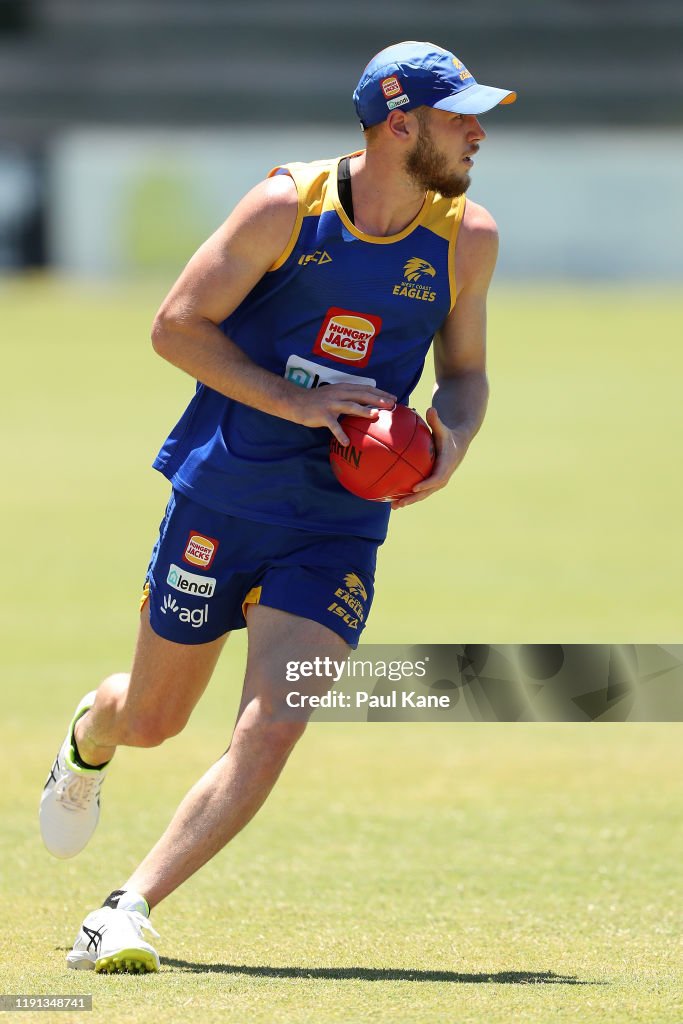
(77, 792)
(139, 921)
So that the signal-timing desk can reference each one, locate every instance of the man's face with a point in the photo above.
(442, 155)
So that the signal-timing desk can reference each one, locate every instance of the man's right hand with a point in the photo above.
(322, 406)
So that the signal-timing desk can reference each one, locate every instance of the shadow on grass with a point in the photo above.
(381, 974)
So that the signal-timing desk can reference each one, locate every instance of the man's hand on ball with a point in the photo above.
(451, 447)
(322, 407)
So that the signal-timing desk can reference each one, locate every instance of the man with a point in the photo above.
(257, 531)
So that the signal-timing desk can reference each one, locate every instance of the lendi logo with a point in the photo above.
(308, 374)
(190, 582)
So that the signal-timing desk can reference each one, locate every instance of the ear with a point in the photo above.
(402, 125)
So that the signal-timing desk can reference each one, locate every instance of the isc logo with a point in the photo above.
(319, 256)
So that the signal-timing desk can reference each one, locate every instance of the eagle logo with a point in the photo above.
(354, 585)
(415, 268)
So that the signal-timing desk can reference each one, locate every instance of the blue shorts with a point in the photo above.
(206, 568)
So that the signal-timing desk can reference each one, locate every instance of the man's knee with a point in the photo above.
(268, 723)
(151, 726)
(141, 722)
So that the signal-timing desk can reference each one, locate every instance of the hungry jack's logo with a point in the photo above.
(391, 87)
(346, 336)
(200, 550)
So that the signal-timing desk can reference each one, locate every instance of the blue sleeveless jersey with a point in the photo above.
(337, 304)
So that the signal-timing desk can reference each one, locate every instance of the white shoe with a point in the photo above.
(70, 804)
(111, 941)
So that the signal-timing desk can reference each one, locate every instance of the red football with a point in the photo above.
(386, 457)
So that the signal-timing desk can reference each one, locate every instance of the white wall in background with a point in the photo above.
(595, 204)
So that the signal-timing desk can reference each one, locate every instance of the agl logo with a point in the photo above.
(194, 617)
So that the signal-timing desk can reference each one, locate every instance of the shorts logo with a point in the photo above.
(190, 583)
(200, 550)
(350, 603)
(307, 374)
(391, 87)
(413, 270)
(355, 585)
(400, 101)
(347, 337)
(194, 617)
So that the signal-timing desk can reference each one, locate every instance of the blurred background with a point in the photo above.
(128, 130)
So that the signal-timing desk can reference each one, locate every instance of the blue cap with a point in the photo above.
(408, 75)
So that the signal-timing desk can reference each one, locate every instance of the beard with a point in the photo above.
(428, 168)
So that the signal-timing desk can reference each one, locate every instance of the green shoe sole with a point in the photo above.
(127, 961)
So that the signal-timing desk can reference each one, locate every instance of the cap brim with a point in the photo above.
(476, 99)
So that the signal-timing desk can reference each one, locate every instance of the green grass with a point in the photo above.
(409, 873)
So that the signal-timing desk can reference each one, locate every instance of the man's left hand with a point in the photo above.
(450, 451)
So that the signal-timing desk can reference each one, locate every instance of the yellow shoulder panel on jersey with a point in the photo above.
(311, 186)
(444, 218)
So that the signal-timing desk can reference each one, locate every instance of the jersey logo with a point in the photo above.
(307, 374)
(319, 256)
(415, 268)
(346, 336)
(200, 550)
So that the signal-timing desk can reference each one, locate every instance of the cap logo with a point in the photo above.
(400, 101)
(391, 87)
(464, 74)
(458, 63)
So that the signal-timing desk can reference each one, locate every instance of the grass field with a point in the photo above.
(408, 873)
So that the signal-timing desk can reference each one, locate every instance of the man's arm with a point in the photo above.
(461, 390)
(217, 278)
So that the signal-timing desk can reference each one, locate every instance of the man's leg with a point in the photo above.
(232, 790)
(153, 702)
(142, 708)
